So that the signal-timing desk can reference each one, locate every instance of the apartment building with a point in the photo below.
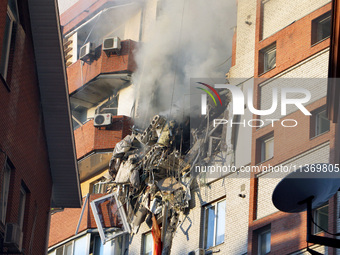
(276, 44)
(38, 166)
(291, 49)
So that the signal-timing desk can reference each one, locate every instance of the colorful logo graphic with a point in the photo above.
(204, 97)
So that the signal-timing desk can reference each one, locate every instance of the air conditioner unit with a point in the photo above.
(104, 119)
(112, 44)
(199, 251)
(86, 51)
(13, 237)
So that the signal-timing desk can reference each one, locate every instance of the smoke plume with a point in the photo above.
(189, 39)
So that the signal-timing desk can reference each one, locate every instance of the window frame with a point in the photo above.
(7, 171)
(260, 236)
(316, 229)
(14, 19)
(315, 123)
(144, 243)
(315, 28)
(22, 207)
(263, 58)
(263, 142)
(71, 241)
(205, 208)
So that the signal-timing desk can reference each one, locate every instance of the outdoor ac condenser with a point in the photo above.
(86, 51)
(112, 44)
(13, 237)
(101, 120)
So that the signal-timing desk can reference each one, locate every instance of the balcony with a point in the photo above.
(94, 145)
(91, 81)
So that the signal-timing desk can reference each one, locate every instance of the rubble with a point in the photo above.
(151, 173)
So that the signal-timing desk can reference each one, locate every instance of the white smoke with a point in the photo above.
(190, 39)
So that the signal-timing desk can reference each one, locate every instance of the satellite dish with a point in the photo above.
(303, 184)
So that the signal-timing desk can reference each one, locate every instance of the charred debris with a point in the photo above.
(152, 171)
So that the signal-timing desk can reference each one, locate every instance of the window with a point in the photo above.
(321, 219)
(267, 59)
(78, 246)
(11, 18)
(147, 244)
(267, 148)
(264, 242)
(321, 28)
(22, 203)
(214, 224)
(99, 187)
(319, 122)
(114, 246)
(4, 192)
(111, 106)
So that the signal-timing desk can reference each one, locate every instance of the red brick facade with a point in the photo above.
(68, 219)
(89, 138)
(22, 137)
(102, 64)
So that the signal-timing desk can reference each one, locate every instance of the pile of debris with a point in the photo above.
(151, 172)
(151, 177)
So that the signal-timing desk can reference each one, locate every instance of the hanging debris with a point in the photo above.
(152, 171)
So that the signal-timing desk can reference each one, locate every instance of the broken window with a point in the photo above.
(214, 224)
(110, 217)
(100, 187)
(11, 18)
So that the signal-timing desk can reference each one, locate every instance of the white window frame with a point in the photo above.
(144, 241)
(215, 223)
(260, 236)
(97, 217)
(53, 250)
(5, 190)
(263, 148)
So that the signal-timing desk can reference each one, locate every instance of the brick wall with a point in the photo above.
(64, 223)
(79, 73)
(22, 137)
(279, 14)
(89, 138)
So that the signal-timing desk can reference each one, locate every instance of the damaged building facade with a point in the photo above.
(141, 191)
